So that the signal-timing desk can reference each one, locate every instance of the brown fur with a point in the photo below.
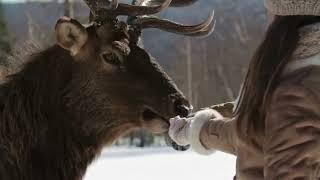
(59, 111)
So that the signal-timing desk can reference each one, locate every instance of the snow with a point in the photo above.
(160, 164)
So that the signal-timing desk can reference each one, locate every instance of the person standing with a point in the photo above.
(274, 126)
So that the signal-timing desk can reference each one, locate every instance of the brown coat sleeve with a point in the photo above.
(292, 131)
(219, 134)
(225, 109)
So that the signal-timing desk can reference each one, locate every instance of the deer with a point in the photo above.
(92, 86)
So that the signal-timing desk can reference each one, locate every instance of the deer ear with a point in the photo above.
(70, 35)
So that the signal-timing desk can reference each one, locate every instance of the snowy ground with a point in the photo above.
(160, 164)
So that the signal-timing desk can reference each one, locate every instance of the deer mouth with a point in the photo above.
(154, 121)
(149, 114)
(159, 125)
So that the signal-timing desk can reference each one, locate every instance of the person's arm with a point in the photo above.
(219, 134)
(225, 109)
(206, 132)
(292, 133)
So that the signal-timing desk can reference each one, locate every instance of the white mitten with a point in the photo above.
(186, 131)
(178, 130)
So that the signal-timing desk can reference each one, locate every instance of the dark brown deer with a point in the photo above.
(94, 85)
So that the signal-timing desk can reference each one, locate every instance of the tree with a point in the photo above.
(68, 8)
(5, 40)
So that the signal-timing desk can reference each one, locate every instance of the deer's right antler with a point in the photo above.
(110, 10)
(174, 3)
(140, 18)
(194, 30)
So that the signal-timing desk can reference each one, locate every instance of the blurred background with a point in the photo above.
(208, 70)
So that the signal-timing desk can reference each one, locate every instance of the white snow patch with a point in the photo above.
(160, 164)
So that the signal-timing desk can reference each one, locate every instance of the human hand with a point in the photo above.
(178, 130)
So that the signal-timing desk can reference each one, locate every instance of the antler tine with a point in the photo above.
(135, 10)
(205, 32)
(174, 3)
(96, 5)
(170, 26)
(114, 4)
(92, 6)
(182, 3)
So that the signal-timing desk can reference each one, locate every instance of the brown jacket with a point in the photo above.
(291, 146)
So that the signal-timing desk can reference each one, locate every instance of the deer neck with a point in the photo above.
(34, 128)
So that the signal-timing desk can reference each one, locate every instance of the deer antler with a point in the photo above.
(106, 9)
(96, 6)
(174, 3)
(202, 29)
(133, 10)
(170, 26)
(139, 15)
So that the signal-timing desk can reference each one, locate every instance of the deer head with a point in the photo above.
(117, 84)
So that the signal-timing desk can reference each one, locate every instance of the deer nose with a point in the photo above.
(182, 107)
(183, 110)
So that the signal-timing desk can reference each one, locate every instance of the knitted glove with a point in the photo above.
(178, 130)
(186, 131)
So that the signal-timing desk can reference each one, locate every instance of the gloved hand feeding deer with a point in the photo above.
(208, 125)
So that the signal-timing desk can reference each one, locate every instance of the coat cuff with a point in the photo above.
(196, 125)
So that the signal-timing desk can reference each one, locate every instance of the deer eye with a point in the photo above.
(111, 58)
